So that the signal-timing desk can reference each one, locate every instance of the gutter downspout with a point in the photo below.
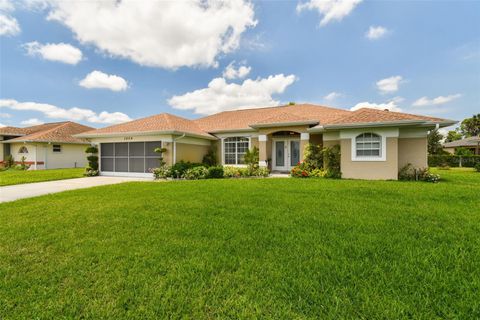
(174, 156)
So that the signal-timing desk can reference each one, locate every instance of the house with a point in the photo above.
(46, 146)
(374, 144)
(471, 143)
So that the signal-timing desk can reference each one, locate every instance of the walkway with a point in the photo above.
(21, 191)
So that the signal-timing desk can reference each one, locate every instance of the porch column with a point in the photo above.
(304, 141)
(262, 150)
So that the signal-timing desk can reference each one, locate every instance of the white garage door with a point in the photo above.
(129, 157)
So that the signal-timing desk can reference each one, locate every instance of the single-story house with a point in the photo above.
(374, 144)
(471, 143)
(46, 146)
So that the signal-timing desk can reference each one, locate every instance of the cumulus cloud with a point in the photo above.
(231, 73)
(332, 96)
(74, 114)
(221, 96)
(8, 24)
(391, 105)
(61, 52)
(425, 101)
(32, 122)
(330, 10)
(375, 33)
(100, 80)
(168, 34)
(389, 85)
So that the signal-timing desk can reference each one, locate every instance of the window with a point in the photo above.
(235, 149)
(23, 150)
(368, 145)
(57, 148)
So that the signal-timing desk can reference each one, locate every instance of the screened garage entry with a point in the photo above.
(129, 157)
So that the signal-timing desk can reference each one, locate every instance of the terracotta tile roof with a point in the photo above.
(366, 115)
(28, 130)
(467, 142)
(157, 123)
(54, 132)
(242, 119)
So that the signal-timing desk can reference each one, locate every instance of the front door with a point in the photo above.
(286, 154)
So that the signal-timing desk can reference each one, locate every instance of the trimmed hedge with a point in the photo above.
(453, 161)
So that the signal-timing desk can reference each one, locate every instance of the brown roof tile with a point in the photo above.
(54, 132)
(157, 123)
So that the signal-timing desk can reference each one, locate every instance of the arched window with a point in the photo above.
(368, 145)
(23, 150)
(234, 149)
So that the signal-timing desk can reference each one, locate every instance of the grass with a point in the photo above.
(11, 177)
(243, 249)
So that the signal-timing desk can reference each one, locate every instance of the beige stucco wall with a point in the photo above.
(72, 155)
(191, 152)
(331, 143)
(449, 150)
(370, 170)
(412, 150)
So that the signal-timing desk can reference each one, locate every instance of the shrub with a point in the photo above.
(261, 172)
(9, 161)
(477, 167)
(162, 172)
(215, 172)
(210, 159)
(92, 169)
(410, 173)
(161, 152)
(231, 172)
(252, 157)
(242, 172)
(178, 169)
(453, 161)
(313, 157)
(23, 165)
(317, 173)
(331, 162)
(299, 172)
(196, 173)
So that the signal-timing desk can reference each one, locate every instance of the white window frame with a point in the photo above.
(53, 148)
(224, 142)
(383, 146)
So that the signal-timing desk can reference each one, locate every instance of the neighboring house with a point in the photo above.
(471, 143)
(374, 144)
(46, 146)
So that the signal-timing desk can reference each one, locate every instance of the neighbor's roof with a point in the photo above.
(467, 142)
(160, 123)
(15, 131)
(53, 132)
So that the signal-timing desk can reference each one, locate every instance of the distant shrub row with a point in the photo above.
(453, 161)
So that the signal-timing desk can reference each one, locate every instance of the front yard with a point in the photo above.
(12, 177)
(249, 248)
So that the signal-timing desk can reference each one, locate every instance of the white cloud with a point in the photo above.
(425, 101)
(32, 122)
(5, 115)
(221, 96)
(8, 25)
(62, 52)
(389, 85)
(168, 34)
(100, 80)
(330, 10)
(390, 105)
(375, 33)
(2, 125)
(332, 96)
(231, 73)
(74, 114)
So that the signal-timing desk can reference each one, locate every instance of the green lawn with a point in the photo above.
(11, 177)
(243, 249)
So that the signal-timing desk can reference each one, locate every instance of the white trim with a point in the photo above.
(305, 136)
(287, 154)
(236, 160)
(383, 153)
(384, 133)
(262, 138)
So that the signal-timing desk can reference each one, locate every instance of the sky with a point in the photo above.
(102, 63)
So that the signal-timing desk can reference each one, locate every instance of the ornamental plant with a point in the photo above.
(92, 169)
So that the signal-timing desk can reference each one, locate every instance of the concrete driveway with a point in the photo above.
(21, 191)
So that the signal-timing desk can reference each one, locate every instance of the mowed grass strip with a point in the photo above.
(12, 177)
(242, 249)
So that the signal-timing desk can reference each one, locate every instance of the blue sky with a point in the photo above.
(421, 57)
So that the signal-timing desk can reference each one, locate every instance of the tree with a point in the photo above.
(453, 135)
(471, 126)
(434, 142)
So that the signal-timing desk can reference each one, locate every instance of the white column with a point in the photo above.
(35, 157)
(305, 136)
(222, 150)
(262, 143)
